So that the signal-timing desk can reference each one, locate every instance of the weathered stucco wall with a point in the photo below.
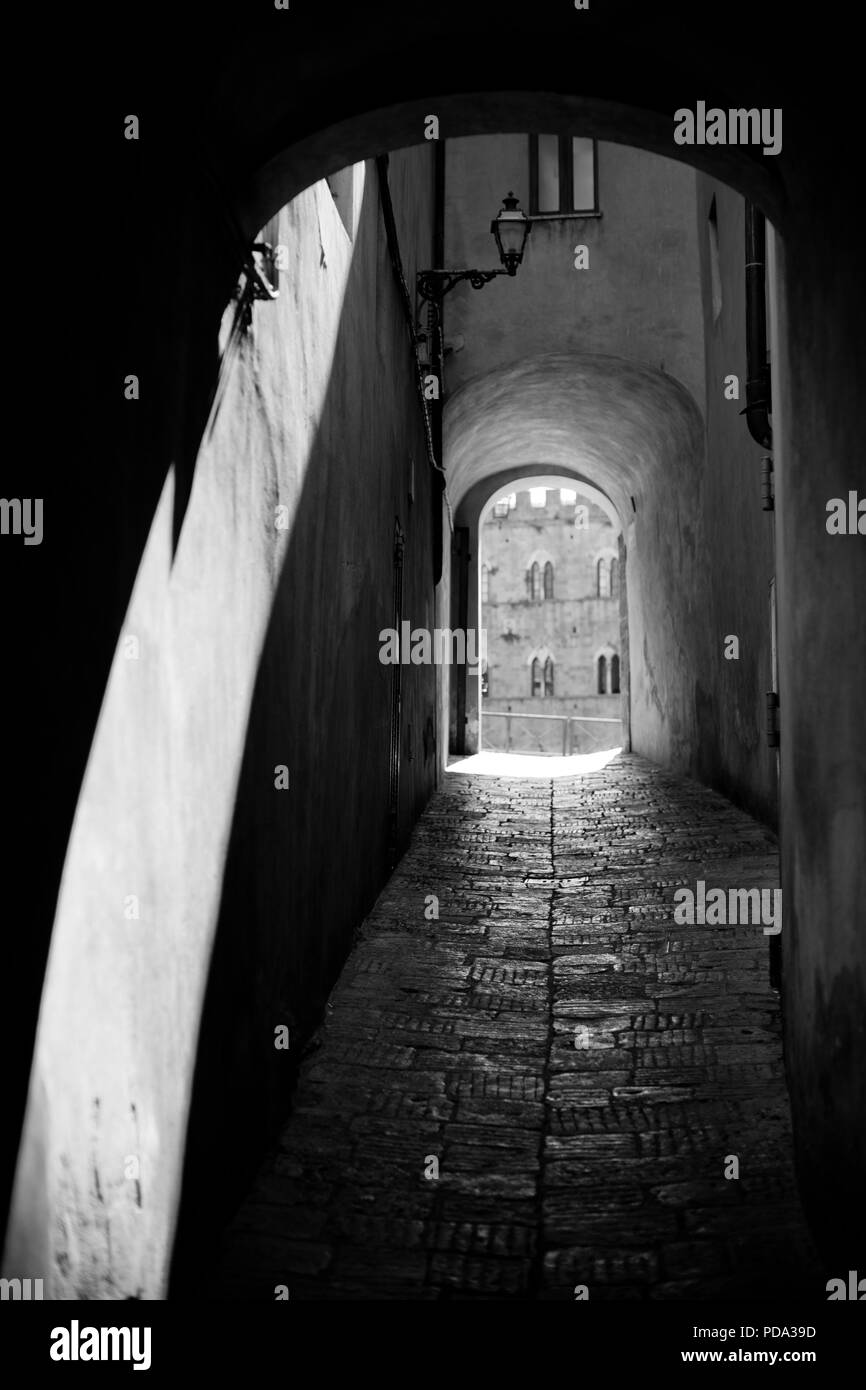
(191, 882)
(639, 298)
(737, 536)
(819, 422)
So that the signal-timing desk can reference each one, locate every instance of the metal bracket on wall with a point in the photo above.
(261, 281)
(399, 543)
(433, 285)
(772, 708)
(768, 492)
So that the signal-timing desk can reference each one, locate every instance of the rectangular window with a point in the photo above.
(563, 175)
(583, 175)
(548, 173)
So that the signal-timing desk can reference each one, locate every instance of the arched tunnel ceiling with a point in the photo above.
(624, 427)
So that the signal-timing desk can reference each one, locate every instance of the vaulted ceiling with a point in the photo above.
(628, 429)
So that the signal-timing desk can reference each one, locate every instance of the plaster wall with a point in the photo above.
(194, 891)
(818, 427)
(639, 298)
(737, 535)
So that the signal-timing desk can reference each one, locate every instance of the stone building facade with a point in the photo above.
(550, 604)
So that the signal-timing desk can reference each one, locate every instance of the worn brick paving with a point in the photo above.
(579, 1065)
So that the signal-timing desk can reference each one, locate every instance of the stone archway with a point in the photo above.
(636, 437)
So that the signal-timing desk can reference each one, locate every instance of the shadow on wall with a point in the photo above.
(304, 866)
(102, 483)
(217, 710)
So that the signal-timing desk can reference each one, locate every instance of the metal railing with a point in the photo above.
(566, 720)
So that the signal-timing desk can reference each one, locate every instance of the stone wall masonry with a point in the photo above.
(574, 626)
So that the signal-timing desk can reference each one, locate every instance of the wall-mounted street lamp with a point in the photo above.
(510, 227)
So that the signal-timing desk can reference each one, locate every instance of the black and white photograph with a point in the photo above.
(433, 563)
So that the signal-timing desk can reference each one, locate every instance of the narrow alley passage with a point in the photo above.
(581, 1067)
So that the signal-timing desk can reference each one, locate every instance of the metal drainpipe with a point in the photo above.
(432, 417)
(757, 411)
(436, 326)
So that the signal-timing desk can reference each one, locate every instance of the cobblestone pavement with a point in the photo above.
(580, 1066)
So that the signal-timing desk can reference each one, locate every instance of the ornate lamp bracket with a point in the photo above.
(433, 285)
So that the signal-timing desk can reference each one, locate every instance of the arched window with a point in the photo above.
(548, 580)
(614, 675)
(485, 584)
(548, 676)
(535, 581)
(602, 675)
(614, 578)
(535, 685)
(602, 575)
